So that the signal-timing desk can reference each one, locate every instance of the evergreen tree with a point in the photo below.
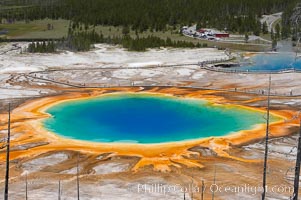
(246, 37)
(144, 15)
(286, 32)
(44, 47)
(125, 30)
(274, 44)
(265, 28)
(277, 29)
(272, 35)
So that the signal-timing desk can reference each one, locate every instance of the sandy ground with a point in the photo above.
(106, 172)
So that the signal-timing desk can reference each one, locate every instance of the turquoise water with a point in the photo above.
(272, 62)
(141, 118)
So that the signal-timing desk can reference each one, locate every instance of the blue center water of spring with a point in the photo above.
(144, 118)
(272, 62)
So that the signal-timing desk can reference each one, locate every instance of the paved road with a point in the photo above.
(271, 19)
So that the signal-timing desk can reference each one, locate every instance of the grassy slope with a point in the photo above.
(175, 36)
(38, 29)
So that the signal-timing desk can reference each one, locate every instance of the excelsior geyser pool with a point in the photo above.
(272, 63)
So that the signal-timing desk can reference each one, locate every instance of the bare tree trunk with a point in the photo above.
(203, 190)
(59, 195)
(26, 187)
(214, 181)
(7, 157)
(266, 151)
(77, 177)
(192, 189)
(297, 168)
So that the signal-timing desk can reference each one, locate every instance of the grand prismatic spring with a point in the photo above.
(141, 118)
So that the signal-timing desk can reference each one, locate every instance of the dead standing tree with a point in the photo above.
(191, 188)
(7, 157)
(77, 176)
(214, 183)
(59, 191)
(26, 187)
(297, 168)
(203, 190)
(266, 151)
